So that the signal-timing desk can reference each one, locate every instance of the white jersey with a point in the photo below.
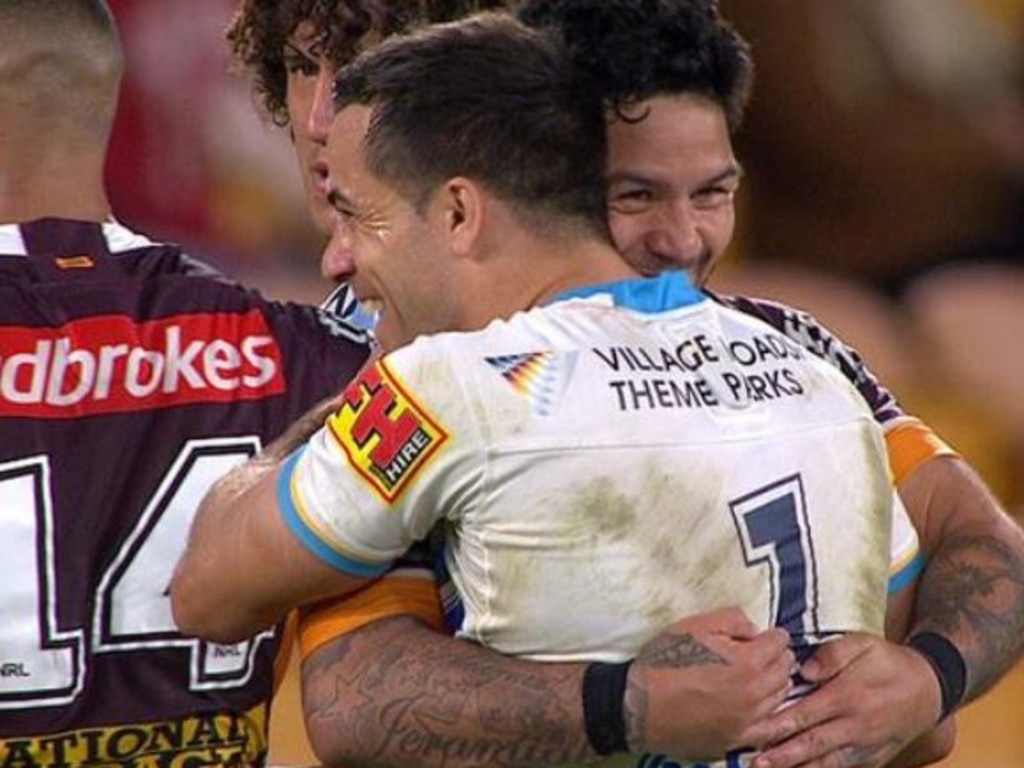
(608, 464)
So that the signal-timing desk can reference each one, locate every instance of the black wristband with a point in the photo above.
(604, 693)
(948, 664)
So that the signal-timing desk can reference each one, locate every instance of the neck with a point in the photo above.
(66, 185)
(593, 264)
(544, 270)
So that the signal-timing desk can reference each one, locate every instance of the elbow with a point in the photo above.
(339, 740)
(197, 613)
(331, 741)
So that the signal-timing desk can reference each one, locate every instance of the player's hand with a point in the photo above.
(875, 698)
(707, 685)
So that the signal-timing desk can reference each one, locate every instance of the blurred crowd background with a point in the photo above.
(884, 193)
(194, 162)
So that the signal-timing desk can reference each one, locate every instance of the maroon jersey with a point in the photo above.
(131, 377)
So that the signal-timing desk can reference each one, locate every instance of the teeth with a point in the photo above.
(371, 306)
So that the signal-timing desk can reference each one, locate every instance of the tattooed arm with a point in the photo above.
(973, 589)
(398, 693)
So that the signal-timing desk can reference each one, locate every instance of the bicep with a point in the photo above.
(944, 495)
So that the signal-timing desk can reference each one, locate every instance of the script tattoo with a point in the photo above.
(974, 592)
(397, 693)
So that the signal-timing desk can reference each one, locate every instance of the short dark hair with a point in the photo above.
(67, 52)
(259, 29)
(89, 22)
(489, 99)
(632, 50)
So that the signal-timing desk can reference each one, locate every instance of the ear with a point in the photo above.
(464, 207)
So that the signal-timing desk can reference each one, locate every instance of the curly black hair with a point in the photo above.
(631, 50)
(260, 28)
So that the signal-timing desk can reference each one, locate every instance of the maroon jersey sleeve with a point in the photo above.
(130, 379)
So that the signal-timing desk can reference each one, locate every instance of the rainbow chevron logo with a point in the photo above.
(540, 377)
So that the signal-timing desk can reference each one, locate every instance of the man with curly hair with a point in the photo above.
(476, 198)
(386, 658)
(291, 51)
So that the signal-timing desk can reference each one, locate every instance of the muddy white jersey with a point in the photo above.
(606, 464)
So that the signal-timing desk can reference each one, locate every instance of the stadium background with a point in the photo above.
(192, 162)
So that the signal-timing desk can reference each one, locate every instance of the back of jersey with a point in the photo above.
(130, 379)
(610, 472)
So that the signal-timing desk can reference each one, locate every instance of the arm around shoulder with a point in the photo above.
(395, 692)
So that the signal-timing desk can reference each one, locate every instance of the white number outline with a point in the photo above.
(211, 666)
(51, 639)
(205, 671)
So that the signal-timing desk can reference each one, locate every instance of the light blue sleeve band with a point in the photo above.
(907, 575)
(308, 536)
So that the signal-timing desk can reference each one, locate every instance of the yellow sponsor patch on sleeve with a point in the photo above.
(387, 435)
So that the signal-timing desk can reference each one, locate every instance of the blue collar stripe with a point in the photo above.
(667, 291)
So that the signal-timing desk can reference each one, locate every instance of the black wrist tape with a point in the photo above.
(604, 693)
(948, 664)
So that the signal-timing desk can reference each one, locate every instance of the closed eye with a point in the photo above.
(713, 197)
(340, 204)
(629, 199)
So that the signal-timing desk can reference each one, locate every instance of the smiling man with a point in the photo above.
(380, 642)
(471, 207)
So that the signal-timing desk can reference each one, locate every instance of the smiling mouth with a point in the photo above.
(652, 266)
(319, 176)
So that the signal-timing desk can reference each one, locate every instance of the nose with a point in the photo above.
(337, 262)
(676, 234)
(321, 111)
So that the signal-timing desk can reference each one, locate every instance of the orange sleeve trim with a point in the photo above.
(391, 596)
(911, 444)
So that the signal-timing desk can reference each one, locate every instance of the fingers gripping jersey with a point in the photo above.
(604, 471)
(131, 377)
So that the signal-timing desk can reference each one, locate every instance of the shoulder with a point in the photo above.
(814, 336)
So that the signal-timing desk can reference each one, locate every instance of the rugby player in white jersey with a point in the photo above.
(380, 640)
(735, 372)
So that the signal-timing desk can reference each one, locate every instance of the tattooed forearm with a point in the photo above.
(398, 693)
(665, 651)
(973, 592)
